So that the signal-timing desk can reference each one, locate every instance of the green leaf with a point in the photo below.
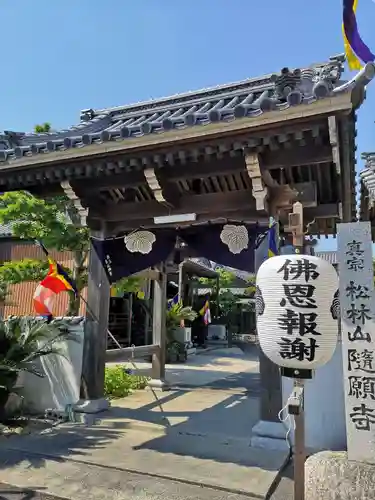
(24, 340)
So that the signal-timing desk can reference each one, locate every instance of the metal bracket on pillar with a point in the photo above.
(71, 194)
(259, 189)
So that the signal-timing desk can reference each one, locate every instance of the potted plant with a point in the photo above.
(22, 342)
(176, 315)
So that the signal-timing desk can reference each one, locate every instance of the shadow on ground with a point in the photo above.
(58, 441)
(211, 422)
(8, 492)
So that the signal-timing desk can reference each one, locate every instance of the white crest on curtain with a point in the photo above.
(235, 237)
(140, 242)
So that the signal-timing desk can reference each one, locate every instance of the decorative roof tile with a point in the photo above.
(224, 103)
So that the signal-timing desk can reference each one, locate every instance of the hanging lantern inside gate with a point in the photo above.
(297, 307)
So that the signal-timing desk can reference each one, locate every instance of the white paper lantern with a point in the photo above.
(297, 310)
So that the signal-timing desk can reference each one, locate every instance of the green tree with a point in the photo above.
(56, 223)
(226, 279)
(43, 128)
(131, 284)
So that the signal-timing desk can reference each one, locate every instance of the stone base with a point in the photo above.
(91, 405)
(158, 385)
(329, 475)
(269, 435)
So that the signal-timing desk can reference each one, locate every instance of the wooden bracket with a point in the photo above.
(259, 189)
(71, 194)
(296, 225)
(163, 192)
(154, 185)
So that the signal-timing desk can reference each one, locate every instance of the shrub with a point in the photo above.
(120, 382)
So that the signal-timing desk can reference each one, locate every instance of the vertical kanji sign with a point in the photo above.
(356, 285)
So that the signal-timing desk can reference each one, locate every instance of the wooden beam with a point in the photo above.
(248, 216)
(284, 196)
(201, 169)
(297, 156)
(171, 173)
(325, 211)
(207, 168)
(199, 204)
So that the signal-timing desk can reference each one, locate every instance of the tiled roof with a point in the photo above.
(5, 230)
(245, 99)
(330, 257)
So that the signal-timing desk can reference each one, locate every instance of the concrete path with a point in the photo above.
(185, 442)
(206, 368)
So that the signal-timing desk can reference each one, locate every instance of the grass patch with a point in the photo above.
(120, 382)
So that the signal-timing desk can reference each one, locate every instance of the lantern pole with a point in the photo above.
(296, 408)
(296, 404)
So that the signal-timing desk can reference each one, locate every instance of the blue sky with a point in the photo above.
(62, 56)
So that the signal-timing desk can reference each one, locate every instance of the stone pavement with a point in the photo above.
(192, 442)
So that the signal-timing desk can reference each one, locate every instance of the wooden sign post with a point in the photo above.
(296, 222)
(297, 324)
(356, 283)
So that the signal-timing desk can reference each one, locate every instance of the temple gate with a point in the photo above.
(186, 167)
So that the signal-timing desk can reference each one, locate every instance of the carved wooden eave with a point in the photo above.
(235, 151)
(259, 189)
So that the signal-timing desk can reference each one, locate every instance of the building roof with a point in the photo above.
(5, 230)
(245, 99)
(330, 257)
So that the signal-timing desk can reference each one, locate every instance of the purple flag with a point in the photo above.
(351, 31)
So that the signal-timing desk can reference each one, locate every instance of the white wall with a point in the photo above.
(325, 427)
(61, 384)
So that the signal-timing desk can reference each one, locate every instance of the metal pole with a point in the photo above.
(296, 408)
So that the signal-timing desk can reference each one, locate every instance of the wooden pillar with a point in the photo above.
(217, 296)
(147, 315)
(129, 322)
(269, 432)
(181, 282)
(271, 390)
(159, 334)
(95, 336)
